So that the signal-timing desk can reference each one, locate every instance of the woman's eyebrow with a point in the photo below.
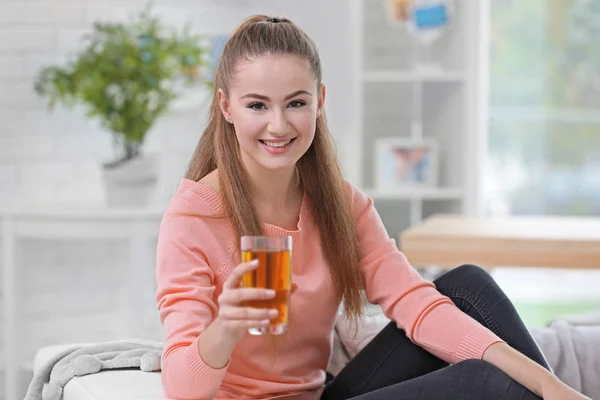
(265, 98)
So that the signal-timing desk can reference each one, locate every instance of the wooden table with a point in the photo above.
(452, 240)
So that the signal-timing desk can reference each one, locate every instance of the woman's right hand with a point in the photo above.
(234, 317)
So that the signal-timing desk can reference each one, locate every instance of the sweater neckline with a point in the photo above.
(215, 200)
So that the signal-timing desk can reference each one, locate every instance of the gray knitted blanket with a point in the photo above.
(49, 380)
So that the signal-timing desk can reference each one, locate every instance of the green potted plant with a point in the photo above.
(127, 75)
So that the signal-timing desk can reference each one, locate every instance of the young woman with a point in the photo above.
(266, 165)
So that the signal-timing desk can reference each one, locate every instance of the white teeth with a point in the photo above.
(277, 144)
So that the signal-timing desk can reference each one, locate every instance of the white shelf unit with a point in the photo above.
(397, 98)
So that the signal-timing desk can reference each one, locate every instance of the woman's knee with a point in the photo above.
(463, 275)
(469, 271)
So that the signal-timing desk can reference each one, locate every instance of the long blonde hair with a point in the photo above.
(318, 169)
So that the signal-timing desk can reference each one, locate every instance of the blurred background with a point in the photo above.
(102, 104)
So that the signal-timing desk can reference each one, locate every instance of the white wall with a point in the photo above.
(53, 158)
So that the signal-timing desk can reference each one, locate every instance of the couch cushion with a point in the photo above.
(123, 384)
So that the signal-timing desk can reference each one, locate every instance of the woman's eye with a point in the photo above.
(257, 106)
(297, 104)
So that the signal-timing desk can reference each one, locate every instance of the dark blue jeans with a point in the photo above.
(392, 367)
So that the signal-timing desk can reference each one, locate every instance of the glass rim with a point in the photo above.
(266, 236)
(258, 242)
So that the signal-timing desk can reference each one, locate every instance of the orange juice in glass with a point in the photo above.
(274, 271)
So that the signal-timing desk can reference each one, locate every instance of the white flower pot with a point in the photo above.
(132, 183)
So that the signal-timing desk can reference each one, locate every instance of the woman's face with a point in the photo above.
(273, 104)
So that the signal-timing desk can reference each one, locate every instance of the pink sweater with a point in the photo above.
(195, 256)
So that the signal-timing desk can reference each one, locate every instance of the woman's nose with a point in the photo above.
(279, 125)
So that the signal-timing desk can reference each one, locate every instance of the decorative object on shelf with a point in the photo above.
(429, 19)
(398, 11)
(127, 76)
(405, 163)
(425, 21)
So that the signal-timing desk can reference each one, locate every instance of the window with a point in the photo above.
(544, 115)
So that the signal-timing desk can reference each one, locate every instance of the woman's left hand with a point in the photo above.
(554, 389)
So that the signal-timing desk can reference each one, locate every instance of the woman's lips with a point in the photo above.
(277, 146)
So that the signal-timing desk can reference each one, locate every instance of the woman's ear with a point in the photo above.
(321, 102)
(224, 105)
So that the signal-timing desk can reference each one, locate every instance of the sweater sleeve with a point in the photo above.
(429, 319)
(185, 300)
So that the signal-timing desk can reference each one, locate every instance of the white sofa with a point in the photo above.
(131, 384)
(572, 350)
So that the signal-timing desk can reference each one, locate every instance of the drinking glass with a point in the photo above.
(274, 271)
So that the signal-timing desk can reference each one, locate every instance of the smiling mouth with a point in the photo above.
(277, 144)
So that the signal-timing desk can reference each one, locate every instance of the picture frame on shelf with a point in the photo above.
(402, 163)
